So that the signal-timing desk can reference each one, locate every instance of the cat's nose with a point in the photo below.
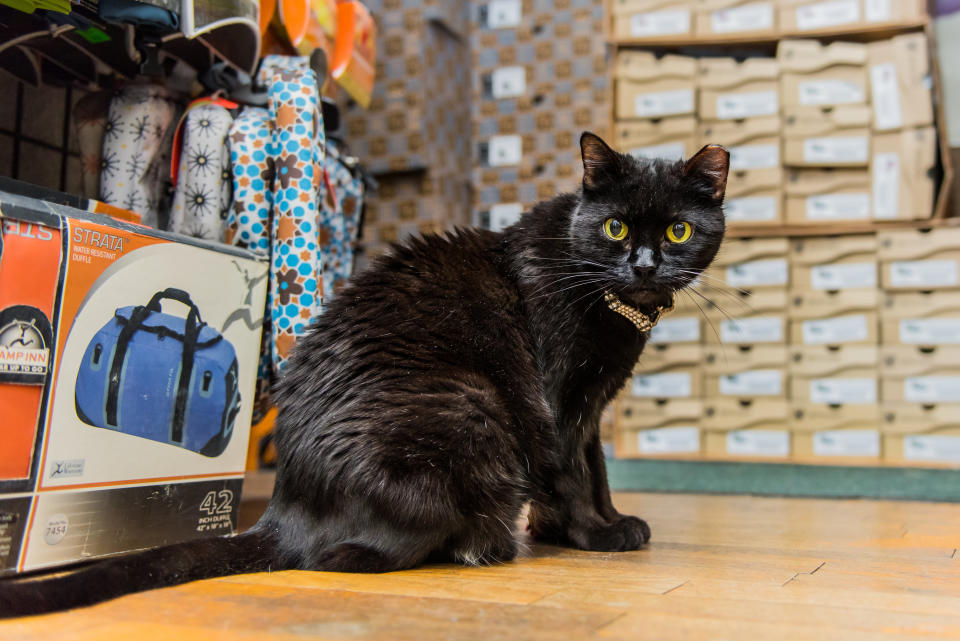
(644, 270)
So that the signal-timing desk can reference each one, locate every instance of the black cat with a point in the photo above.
(456, 380)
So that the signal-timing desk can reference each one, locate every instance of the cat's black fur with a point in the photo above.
(459, 378)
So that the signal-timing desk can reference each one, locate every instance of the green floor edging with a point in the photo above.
(778, 479)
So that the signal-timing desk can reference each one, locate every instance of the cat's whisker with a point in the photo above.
(705, 317)
(574, 286)
(712, 302)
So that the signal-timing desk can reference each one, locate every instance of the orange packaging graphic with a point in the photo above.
(26, 334)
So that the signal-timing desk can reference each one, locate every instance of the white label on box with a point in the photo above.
(508, 82)
(886, 185)
(504, 215)
(829, 92)
(668, 151)
(924, 273)
(852, 276)
(886, 97)
(733, 106)
(660, 23)
(684, 329)
(930, 331)
(843, 391)
(758, 272)
(503, 14)
(931, 448)
(750, 209)
(663, 103)
(932, 389)
(754, 157)
(854, 206)
(505, 151)
(762, 329)
(669, 440)
(759, 382)
(758, 443)
(750, 17)
(671, 385)
(845, 149)
(847, 443)
(830, 331)
(827, 14)
(877, 10)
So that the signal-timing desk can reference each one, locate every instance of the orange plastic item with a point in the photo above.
(355, 51)
(267, 9)
(29, 276)
(257, 433)
(295, 17)
(321, 28)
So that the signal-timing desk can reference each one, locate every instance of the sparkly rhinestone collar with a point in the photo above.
(643, 322)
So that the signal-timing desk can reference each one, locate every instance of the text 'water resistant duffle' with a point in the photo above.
(161, 377)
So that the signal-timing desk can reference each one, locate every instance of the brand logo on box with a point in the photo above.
(73, 467)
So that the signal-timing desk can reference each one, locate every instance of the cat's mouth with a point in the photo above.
(641, 296)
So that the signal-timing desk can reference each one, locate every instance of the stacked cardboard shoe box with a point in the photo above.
(539, 78)
(799, 16)
(825, 93)
(834, 356)
(745, 364)
(739, 108)
(659, 411)
(920, 331)
(650, 88)
(904, 145)
(652, 19)
(742, 18)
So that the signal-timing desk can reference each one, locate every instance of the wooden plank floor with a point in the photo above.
(719, 567)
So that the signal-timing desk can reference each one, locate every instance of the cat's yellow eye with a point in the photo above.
(615, 229)
(679, 232)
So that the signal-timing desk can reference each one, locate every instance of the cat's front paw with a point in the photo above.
(628, 533)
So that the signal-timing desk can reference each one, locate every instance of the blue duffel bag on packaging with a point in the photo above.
(161, 377)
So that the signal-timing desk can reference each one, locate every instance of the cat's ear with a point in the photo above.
(599, 161)
(709, 167)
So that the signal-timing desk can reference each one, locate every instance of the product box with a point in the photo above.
(903, 167)
(761, 319)
(920, 375)
(668, 381)
(900, 84)
(842, 329)
(668, 138)
(920, 259)
(128, 362)
(735, 18)
(921, 433)
(642, 20)
(834, 374)
(746, 428)
(831, 137)
(646, 427)
(754, 185)
(652, 87)
(745, 371)
(830, 264)
(754, 197)
(925, 319)
(751, 275)
(818, 305)
(821, 195)
(799, 16)
(816, 75)
(663, 356)
(742, 250)
(835, 433)
(734, 90)
(680, 327)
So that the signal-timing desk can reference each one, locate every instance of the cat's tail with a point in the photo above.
(252, 551)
